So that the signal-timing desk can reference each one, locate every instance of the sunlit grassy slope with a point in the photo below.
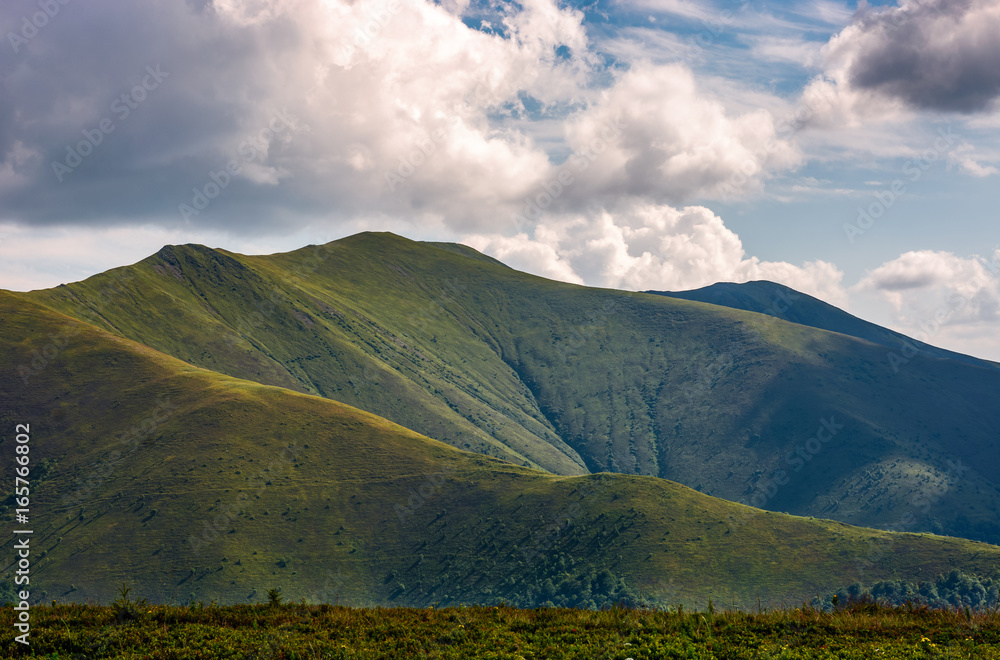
(192, 485)
(576, 380)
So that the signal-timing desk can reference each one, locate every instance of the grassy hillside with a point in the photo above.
(192, 485)
(572, 380)
(320, 321)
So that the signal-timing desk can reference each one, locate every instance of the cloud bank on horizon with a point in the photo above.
(610, 144)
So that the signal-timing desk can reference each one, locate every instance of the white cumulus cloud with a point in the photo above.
(658, 135)
(927, 285)
(641, 245)
(940, 298)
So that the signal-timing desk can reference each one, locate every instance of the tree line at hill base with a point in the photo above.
(953, 590)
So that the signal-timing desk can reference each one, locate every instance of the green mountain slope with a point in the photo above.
(192, 485)
(788, 304)
(357, 328)
(571, 379)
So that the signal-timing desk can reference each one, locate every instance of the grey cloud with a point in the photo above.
(939, 55)
(903, 282)
(206, 84)
(365, 109)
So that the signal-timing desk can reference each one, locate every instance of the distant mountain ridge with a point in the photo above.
(780, 301)
(574, 380)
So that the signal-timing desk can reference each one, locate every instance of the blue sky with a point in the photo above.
(848, 151)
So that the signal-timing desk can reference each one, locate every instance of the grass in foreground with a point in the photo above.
(861, 630)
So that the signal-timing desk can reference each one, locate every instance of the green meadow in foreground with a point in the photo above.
(861, 630)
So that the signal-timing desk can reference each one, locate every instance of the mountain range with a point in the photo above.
(383, 421)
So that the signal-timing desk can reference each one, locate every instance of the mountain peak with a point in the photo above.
(783, 302)
(176, 259)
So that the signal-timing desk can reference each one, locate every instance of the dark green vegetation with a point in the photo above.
(788, 304)
(956, 590)
(575, 380)
(261, 632)
(194, 485)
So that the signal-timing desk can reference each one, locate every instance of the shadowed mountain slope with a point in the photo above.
(788, 304)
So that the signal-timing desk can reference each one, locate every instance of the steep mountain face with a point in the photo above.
(571, 379)
(195, 486)
(788, 304)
